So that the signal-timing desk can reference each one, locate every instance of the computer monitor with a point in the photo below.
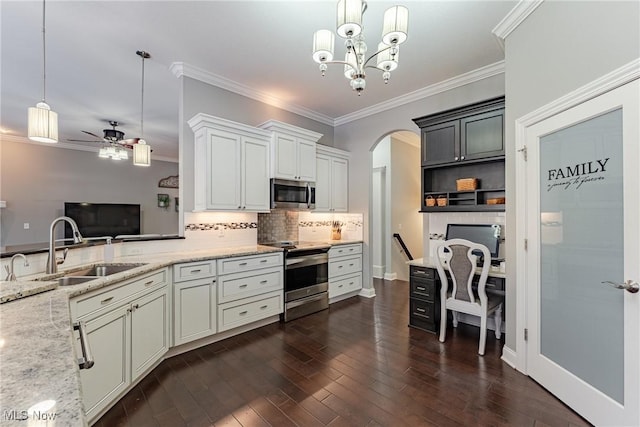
(485, 234)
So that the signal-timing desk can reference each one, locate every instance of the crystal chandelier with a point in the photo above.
(349, 27)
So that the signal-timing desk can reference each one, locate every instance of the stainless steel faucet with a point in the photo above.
(52, 260)
(10, 275)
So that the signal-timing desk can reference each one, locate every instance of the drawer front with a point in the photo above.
(424, 289)
(89, 303)
(426, 272)
(194, 270)
(343, 266)
(243, 285)
(238, 313)
(423, 310)
(344, 250)
(345, 285)
(495, 284)
(234, 265)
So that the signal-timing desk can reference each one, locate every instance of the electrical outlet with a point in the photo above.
(26, 226)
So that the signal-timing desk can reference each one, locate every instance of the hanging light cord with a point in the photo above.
(44, 56)
(143, 55)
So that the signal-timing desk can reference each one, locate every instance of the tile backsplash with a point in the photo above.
(220, 229)
(277, 226)
(307, 226)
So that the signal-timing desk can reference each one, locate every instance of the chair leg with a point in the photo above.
(455, 318)
(443, 322)
(483, 334)
(497, 317)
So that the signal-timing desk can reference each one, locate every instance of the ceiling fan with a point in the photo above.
(110, 136)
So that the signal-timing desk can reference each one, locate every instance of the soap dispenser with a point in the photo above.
(108, 251)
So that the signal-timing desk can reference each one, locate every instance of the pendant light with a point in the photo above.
(141, 150)
(42, 121)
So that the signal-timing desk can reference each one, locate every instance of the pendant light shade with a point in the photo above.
(43, 124)
(323, 46)
(141, 153)
(349, 18)
(395, 25)
(385, 60)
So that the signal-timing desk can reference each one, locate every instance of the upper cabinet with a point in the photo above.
(231, 166)
(465, 134)
(332, 180)
(293, 151)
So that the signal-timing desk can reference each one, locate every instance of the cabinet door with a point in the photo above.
(255, 175)
(223, 170)
(194, 310)
(109, 342)
(339, 185)
(149, 331)
(323, 183)
(441, 143)
(482, 135)
(306, 160)
(285, 157)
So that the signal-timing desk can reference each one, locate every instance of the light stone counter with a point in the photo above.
(37, 355)
(14, 290)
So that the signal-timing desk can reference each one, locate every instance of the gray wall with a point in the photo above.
(198, 97)
(36, 180)
(360, 136)
(558, 48)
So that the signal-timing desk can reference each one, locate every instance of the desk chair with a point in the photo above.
(461, 264)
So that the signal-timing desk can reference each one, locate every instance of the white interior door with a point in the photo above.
(583, 198)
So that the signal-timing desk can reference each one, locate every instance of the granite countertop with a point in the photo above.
(37, 357)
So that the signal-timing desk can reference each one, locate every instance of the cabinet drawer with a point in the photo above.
(422, 310)
(418, 271)
(234, 265)
(238, 313)
(345, 285)
(342, 250)
(194, 270)
(343, 266)
(89, 303)
(495, 284)
(243, 285)
(424, 289)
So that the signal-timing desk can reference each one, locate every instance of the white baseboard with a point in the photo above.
(367, 292)
(378, 271)
(509, 357)
(390, 276)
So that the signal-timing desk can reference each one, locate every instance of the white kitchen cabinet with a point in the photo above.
(293, 151)
(194, 301)
(332, 180)
(231, 165)
(345, 271)
(127, 327)
(250, 289)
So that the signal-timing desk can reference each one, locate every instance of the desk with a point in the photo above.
(424, 293)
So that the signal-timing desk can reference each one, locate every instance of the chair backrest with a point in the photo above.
(461, 263)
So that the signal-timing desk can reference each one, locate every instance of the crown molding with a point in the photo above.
(443, 86)
(515, 17)
(67, 146)
(180, 69)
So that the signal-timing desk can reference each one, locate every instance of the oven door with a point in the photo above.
(292, 195)
(306, 275)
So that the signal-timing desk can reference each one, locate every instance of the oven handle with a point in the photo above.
(305, 261)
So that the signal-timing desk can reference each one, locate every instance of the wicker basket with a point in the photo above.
(442, 200)
(466, 184)
(496, 201)
(430, 201)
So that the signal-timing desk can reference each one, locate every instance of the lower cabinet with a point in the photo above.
(345, 269)
(424, 298)
(127, 327)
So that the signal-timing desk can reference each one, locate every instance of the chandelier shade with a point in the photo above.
(323, 46)
(395, 25)
(386, 61)
(42, 124)
(349, 22)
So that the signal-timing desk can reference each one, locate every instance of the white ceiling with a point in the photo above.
(94, 75)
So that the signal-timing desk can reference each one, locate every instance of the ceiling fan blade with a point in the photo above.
(82, 140)
(93, 134)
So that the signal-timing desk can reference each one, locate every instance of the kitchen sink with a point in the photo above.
(102, 270)
(74, 280)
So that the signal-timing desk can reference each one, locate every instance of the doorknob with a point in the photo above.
(629, 286)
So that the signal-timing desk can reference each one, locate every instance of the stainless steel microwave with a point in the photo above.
(294, 195)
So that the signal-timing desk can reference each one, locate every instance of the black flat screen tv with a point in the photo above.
(103, 219)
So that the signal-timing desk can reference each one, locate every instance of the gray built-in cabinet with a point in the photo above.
(466, 142)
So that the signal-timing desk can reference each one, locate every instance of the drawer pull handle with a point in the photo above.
(263, 307)
(421, 310)
(264, 260)
(339, 286)
(350, 265)
(242, 313)
(340, 266)
(195, 271)
(262, 282)
(351, 283)
(106, 300)
(243, 286)
(419, 272)
(149, 283)
(420, 288)
(242, 264)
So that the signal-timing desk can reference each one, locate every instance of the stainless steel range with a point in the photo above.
(306, 278)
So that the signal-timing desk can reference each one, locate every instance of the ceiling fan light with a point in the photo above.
(103, 153)
(395, 25)
(349, 18)
(122, 154)
(141, 153)
(323, 46)
(42, 124)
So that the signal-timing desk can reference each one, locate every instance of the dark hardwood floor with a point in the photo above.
(356, 364)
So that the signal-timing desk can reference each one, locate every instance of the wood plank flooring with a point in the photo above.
(356, 364)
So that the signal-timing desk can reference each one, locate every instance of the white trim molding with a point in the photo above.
(514, 18)
(367, 292)
(509, 356)
(390, 276)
